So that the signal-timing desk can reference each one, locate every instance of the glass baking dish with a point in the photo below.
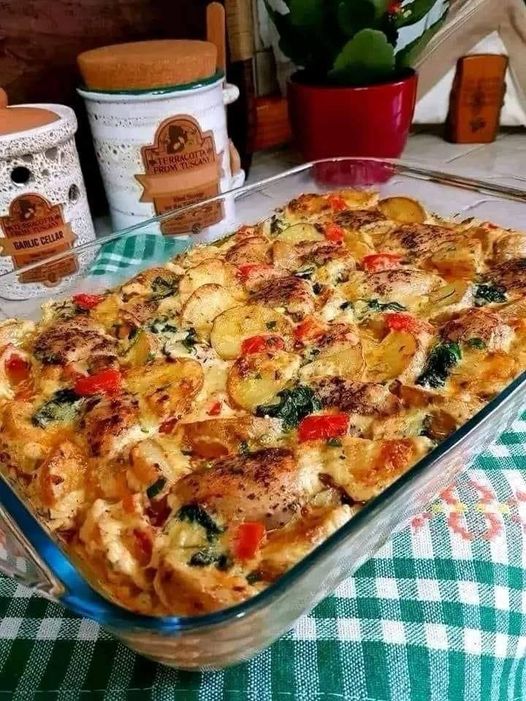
(212, 641)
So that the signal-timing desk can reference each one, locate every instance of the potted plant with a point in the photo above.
(355, 93)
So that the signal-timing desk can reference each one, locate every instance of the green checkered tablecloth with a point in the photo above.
(439, 613)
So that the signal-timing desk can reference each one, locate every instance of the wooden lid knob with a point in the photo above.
(144, 65)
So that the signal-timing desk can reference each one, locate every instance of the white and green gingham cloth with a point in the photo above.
(439, 613)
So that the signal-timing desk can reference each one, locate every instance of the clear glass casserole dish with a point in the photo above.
(28, 552)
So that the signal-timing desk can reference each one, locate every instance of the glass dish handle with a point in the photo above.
(19, 560)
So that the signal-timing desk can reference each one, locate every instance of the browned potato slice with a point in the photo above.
(184, 589)
(403, 209)
(300, 232)
(392, 357)
(364, 468)
(459, 261)
(213, 271)
(106, 313)
(234, 325)
(256, 379)
(143, 346)
(214, 438)
(13, 331)
(167, 387)
(204, 305)
(348, 362)
(449, 299)
(359, 198)
(286, 546)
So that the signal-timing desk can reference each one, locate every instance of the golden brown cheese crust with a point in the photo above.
(193, 433)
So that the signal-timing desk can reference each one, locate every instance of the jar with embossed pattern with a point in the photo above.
(43, 205)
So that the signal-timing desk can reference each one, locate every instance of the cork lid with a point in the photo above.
(18, 118)
(144, 65)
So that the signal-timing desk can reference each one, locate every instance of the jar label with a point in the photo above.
(35, 229)
(182, 167)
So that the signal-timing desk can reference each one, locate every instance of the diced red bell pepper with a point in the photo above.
(17, 368)
(168, 426)
(322, 426)
(249, 269)
(394, 7)
(215, 409)
(258, 344)
(337, 203)
(399, 321)
(308, 329)
(87, 301)
(248, 539)
(103, 382)
(334, 233)
(143, 546)
(377, 262)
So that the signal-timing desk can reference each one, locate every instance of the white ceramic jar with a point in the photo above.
(43, 204)
(163, 149)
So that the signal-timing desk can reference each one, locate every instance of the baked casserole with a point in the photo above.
(193, 433)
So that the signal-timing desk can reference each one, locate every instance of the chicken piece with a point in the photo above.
(137, 312)
(508, 247)
(289, 292)
(479, 327)
(251, 250)
(511, 275)
(155, 283)
(61, 482)
(404, 286)
(418, 240)
(120, 540)
(359, 218)
(367, 398)
(76, 340)
(262, 486)
(112, 424)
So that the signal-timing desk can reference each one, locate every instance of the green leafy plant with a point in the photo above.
(351, 42)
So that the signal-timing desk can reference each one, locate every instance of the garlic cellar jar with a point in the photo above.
(43, 204)
(158, 120)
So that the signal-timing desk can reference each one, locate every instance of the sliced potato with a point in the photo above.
(449, 299)
(402, 209)
(456, 261)
(392, 357)
(106, 312)
(167, 387)
(234, 325)
(359, 199)
(204, 305)
(214, 271)
(300, 232)
(256, 379)
(348, 362)
(143, 346)
(214, 438)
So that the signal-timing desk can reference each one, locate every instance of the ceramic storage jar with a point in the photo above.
(43, 204)
(157, 115)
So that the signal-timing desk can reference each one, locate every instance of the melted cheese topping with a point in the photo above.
(192, 434)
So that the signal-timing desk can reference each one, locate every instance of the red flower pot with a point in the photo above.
(330, 121)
